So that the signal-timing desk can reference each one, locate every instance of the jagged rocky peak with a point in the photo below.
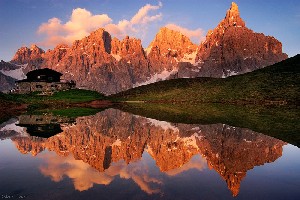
(103, 38)
(98, 39)
(128, 47)
(54, 57)
(60, 48)
(233, 17)
(28, 55)
(36, 50)
(171, 43)
(231, 48)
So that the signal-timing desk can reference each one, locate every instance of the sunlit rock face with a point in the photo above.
(88, 61)
(168, 48)
(113, 136)
(231, 48)
(130, 56)
(31, 56)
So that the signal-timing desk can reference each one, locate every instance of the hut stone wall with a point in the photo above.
(27, 87)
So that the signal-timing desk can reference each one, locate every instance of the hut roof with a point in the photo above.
(44, 71)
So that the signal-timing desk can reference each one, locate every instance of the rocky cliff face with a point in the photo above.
(88, 61)
(31, 56)
(112, 135)
(130, 53)
(10, 72)
(168, 48)
(231, 48)
(6, 82)
(114, 65)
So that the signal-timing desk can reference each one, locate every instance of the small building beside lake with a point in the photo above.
(43, 80)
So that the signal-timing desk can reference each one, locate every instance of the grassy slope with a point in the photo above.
(69, 96)
(279, 82)
(59, 101)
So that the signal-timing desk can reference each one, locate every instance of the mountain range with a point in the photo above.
(117, 65)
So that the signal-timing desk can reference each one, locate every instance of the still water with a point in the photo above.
(118, 155)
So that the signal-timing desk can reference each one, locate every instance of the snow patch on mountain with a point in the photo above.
(15, 73)
(192, 140)
(11, 126)
(148, 50)
(117, 143)
(149, 150)
(117, 57)
(198, 63)
(189, 58)
(229, 73)
(157, 77)
(162, 124)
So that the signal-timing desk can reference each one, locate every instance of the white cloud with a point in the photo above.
(82, 22)
(137, 25)
(196, 35)
(142, 17)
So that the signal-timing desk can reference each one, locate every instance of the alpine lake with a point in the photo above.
(139, 151)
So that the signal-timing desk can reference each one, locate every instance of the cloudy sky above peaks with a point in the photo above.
(49, 22)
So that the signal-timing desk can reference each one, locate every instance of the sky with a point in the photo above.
(50, 22)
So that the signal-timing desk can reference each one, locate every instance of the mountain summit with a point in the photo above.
(172, 43)
(232, 48)
(233, 17)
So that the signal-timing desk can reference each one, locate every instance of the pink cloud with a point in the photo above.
(197, 162)
(82, 22)
(84, 176)
(196, 35)
(120, 30)
(138, 24)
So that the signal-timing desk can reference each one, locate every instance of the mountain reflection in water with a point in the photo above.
(96, 149)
